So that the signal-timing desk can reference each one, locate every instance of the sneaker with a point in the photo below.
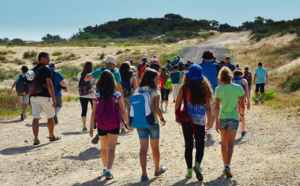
(256, 102)
(228, 172)
(209, 136)
(22, 116)
(122, 130)
(161, 171)
(108, 176)
(244, 133)
(55, 119)
(144, 178)
(103, 172)
(262, 101)
(84, 129)
(95, 140)
(197, 170)
(189, 173)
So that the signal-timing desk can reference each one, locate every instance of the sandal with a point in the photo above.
(36, 142)
(54, 138)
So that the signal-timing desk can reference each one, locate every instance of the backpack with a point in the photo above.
(238, 80)
(126, 87)
(35, 86)
(108, 116)
(168, 83)
(247, 76)
(84, 87)
(141, 115)
(142, 68)
(21, 86)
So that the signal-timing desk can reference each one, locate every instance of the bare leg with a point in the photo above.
(263, 96)
(256, 95)
(103, 146)
(166, 104)
(243, 122)
(50, 124)
(111, 147)
(143, 155)
(35, 128)
(231, 140)
(155, 152)
(224, 145)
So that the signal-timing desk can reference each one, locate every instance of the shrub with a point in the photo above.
(294, 84)
(69, 57)
(70, 71)
(137, 50)
(3, 52)
(3, 58)
(119, 52)
(35, 62)
(71, 98)
(28, 54)
(102, 56)
(268, 96)
(56, 53)
(7, 74)
(127, 49)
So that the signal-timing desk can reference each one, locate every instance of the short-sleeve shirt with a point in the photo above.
(117, 95)
(175, 76)
(43, 74)
(153, 94)
(96, 74)
(261, 75)
(210, 71)
(229, 96)
(162, 82)
(142, 67)
(23, 75)
(155, 66)
(56, 81)
(90, 95)
(230, 66)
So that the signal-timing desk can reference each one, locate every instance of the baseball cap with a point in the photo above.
(51, 65)
(144, 59)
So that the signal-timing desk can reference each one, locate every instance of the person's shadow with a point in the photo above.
(40, 124)
(143, 183)
(20, 150)
(13, 121)
(73, 133)
(88, 154)
(221, 180)
(97, 181)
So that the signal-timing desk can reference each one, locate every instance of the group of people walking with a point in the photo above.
(210, 92)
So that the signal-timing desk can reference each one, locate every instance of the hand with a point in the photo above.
(163, 122)
(66, 90)
(91, 133)
(218, 127)
(54, 104)
(248, 105)
(9, 93)
(128, 128)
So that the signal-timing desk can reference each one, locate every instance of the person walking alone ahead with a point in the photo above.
(43, 100)
(22, 91)
(260, 79)
(197, 91)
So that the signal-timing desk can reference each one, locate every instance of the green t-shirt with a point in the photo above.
(229, 96)
(96, 74)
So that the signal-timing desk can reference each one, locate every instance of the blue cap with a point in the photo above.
(51, 65)
(144, 59)
(194, 73)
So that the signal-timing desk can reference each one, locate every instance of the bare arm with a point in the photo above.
(51, 90)
(135, 83)
(88, 77)
(254, 80)
(208, 109)
(178, 99)
(266, 79)
(93, 117)
(64, 84)
(158, 111)
(124, 112)
(217, 110)
(12, 88)
(247, 93)
(119, 88)
(242, 105)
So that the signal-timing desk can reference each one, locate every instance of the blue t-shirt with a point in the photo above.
(57, 78)
(210, 71)
(261, 75)
(96, 74)
(175, 77)
(23, 75)
(230, 66)
(174, 63)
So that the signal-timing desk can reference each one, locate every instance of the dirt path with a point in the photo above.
(268, 155)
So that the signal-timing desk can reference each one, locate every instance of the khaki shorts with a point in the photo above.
(24, 99)
(39, 103)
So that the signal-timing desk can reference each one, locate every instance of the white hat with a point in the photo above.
(110, 59)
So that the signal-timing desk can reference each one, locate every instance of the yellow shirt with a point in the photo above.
(153, 94)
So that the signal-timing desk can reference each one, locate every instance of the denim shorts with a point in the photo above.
(231, 124)
(152, 131)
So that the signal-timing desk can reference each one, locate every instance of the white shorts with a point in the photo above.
(24, 99)
(38, 103)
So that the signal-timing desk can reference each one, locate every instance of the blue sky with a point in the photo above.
(33, 19)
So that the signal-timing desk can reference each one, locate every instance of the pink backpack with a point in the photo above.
(108, 116)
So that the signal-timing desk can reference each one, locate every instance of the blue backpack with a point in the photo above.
(141, 115)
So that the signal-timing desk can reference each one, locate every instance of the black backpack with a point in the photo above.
(126, 87)
(21, 86)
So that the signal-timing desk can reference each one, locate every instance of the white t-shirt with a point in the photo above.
(90, 95)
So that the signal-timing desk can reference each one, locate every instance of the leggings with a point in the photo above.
(189, 143)
(84, 105)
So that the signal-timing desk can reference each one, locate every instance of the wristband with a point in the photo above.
(163, 119)
(241, 114)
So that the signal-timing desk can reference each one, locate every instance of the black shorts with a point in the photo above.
(165, 94)
(105, 132)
